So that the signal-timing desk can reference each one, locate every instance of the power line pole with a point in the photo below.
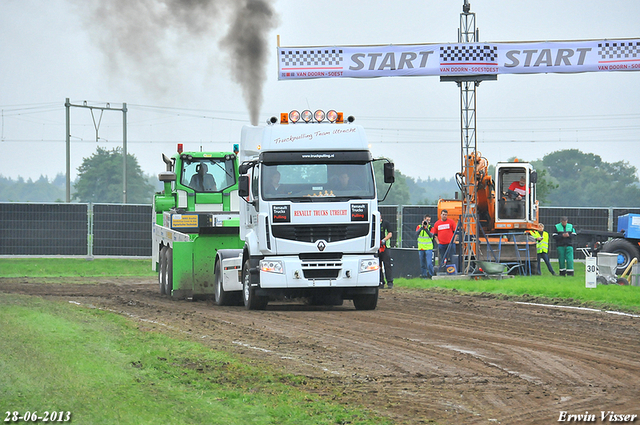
(107, 107)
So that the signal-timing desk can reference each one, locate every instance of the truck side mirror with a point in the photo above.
(167, 176)
(243, 168)
(389, 172)
(533, 177)
(243, 186)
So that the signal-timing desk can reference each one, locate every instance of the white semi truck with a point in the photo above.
(308, 227)
(309, 220)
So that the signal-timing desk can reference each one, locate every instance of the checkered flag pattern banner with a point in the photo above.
(469, 54)
(459, 59)
(619, 50)
(302, 58)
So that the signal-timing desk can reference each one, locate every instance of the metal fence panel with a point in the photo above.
(412, 216)
(125, 229)
(581, 218)
(617, 212)
(390, 213)
(43, 229)
(122, 229)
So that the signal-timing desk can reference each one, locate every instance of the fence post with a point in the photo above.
(90, 229)
(610, 221)
(399, 227)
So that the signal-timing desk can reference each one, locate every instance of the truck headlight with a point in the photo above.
(370, 265)
(271, 266)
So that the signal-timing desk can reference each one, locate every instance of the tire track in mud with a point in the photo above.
(421, 356)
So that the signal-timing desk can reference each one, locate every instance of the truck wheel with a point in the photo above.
(222, 297)
(168, 279)
(161, 269)
(251, 300)
(366, 301)
(626, 252)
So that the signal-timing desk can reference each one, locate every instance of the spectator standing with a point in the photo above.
(542, 248)
(425, 247)
(444, 230)
(564, 234)
(383, 254)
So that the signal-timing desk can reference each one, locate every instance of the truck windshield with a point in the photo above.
(208, 174)
(318, 181)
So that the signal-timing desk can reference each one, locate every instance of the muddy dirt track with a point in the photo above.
(420, 357)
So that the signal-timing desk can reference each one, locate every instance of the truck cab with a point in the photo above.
(310, 218)
(195, 217)
(515, 201)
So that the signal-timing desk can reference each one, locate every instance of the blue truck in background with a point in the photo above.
(625, 242)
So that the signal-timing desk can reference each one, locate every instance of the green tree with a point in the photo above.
(431, 190)
(585, 180)
(40, 190)
(100, 179)
(546, 185)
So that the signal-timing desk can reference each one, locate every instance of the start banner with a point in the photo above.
(459, 59)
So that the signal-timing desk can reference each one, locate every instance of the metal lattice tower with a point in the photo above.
(469, 146)
(467, 33)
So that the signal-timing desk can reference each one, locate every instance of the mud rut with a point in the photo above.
(420, 357)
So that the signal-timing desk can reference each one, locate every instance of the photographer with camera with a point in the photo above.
(425, 248)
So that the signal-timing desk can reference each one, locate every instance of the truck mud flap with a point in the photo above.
(348, 292)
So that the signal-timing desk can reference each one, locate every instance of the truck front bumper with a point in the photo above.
(294, 273)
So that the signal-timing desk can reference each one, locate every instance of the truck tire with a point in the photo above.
(221, 296)
(251, 300)
(168, 279)
(161, 270)
(626, 252)
(366, 301)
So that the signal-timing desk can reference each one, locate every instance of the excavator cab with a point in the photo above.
(516, 205)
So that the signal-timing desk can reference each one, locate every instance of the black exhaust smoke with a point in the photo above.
(146, 38)
(246, 42)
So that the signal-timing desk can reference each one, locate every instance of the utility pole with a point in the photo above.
(467, 33)
(68, 139)
(107, 107)
(124, 153)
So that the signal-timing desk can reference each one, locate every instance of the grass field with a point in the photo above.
(68, 267)
(102, 369)
(569, 290)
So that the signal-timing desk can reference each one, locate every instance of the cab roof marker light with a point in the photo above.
(306, 115)
(332, 116)
(294, 116)
(319, 115)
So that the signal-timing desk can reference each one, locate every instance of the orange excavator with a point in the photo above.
(496, 209)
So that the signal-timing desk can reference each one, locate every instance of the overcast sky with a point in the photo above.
(175, 73)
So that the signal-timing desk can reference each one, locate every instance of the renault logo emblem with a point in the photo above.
(321, 245)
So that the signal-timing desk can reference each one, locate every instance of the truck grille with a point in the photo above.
(321, 274)
(321, 270)
(329, 233)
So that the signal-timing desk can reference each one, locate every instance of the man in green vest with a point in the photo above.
(425, 248)
(563, 235)
(542, 247)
